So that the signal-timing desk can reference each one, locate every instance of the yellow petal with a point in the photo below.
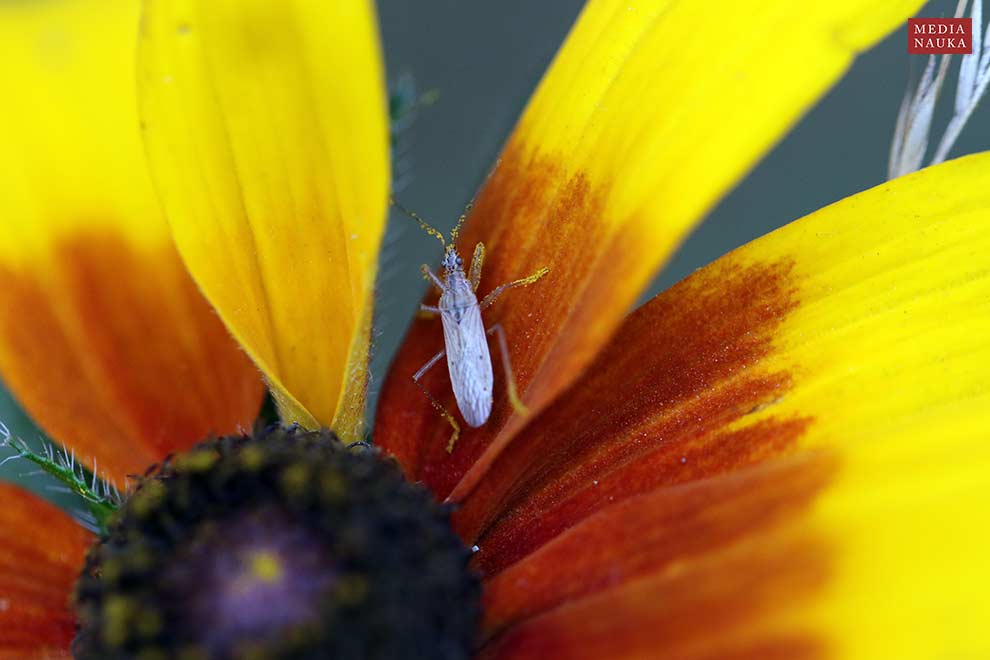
(909, 520)
(891, 331)
(890, 346)
(104, 338)
(267, 133)
(837, 369)
(650, 112)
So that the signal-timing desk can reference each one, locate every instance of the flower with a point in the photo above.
(783, 455)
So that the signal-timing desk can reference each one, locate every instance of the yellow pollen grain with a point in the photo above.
(265, 566)
(147, 498)
(252, 458)
(117, 613)
(351, 589)
(148, 624)
(294, 480)
(332, 486)
(197, 461)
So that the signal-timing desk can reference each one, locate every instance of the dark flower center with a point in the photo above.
(285, 544)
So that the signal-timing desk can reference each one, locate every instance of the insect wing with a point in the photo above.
(469, 363)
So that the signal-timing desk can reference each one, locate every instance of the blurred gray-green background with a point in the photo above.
(484, 58)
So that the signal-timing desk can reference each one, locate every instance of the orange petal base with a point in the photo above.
(116, 354)
(689, 571)
(41, 553)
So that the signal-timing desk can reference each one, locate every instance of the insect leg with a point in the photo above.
(430, 276)
(476, 262)
(436, 404)
(499, 290)
(510, 379)
(428, 311)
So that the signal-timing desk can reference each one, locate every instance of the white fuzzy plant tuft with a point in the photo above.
(912, 133)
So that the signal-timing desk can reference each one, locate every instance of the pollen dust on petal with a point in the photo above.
(662, 404)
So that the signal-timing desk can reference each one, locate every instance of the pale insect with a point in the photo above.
(465, 343)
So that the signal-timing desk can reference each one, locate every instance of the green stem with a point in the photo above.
(100, 498)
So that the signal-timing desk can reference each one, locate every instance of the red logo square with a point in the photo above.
(940, 36)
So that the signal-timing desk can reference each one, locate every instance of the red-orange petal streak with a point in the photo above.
(113, 350)
(646, 534)
(655, 408)
(677, 617)
(41, 553)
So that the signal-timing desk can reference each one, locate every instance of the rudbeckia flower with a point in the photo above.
(784, 455)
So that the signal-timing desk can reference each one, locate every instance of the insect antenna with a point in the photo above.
(427, 227)
(460, 222)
